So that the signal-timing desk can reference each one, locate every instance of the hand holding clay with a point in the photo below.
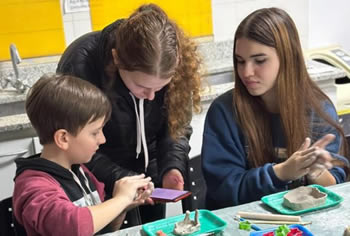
(324, 159)
(144, 193)
(298, 164)
(322, 163)
(134, 189)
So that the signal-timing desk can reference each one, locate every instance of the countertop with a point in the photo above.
(326, 222)
(217, 58)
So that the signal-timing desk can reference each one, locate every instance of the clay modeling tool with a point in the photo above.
(275, 222)
(265, 216)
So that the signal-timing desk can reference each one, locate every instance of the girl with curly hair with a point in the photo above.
(149, 70)
(276, 129)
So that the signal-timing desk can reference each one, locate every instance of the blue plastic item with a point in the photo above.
(208, 220)
(275, 201)
(305, 231)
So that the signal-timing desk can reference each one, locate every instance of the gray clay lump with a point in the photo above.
(304, 197)
(187, 226)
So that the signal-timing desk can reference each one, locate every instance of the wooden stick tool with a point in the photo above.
(265, 216)
(276, 222)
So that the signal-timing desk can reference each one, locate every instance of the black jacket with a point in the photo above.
(63, 176)
(85, 58)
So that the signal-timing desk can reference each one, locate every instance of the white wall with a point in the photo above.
(320, 22)
(227, 14)
(75, 24)
(329, 23)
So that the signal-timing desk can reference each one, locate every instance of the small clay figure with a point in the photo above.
(347, 231)
(304, 197)
(187, 226)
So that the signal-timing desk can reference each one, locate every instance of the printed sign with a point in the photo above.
(70, 6)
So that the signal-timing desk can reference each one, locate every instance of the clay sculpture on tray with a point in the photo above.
(304, 197)
(187, 226)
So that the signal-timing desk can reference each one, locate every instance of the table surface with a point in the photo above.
(330, 221)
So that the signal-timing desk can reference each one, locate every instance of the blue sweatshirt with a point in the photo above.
(229, 177)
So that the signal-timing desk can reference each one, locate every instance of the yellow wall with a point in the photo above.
(193, 16)
(34, 26)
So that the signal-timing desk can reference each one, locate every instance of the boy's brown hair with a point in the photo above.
(64, 102)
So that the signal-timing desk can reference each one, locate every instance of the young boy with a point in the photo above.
(54, 193)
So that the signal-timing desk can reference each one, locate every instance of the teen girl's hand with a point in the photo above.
(324, 158)
(305, 159)
(298, 164)
(173, 179)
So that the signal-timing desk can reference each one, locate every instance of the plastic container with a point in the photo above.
(208, 220)
(305, 231)
(275, 201)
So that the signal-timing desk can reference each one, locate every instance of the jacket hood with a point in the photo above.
(38, 163)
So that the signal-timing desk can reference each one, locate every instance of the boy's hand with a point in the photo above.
(173, 179)
(129, 187)
(142, 196)
(145, 193)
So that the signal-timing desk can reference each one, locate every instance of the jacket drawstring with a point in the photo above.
(140, 128)
(89, 198)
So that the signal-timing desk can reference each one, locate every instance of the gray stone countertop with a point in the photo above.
(217, 58)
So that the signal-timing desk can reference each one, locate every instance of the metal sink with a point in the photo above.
(215, 84)
(220, 78)
(11, 103)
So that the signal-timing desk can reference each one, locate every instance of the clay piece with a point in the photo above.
(245, 225)
(347, 231)
(304, 197)
(283, 230)
(187, 226)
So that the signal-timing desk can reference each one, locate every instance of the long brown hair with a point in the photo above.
(298, 96)
(148, 41)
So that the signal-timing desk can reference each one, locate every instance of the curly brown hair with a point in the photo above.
(148, 41)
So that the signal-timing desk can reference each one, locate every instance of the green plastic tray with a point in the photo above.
(275, 201)
(208, 220)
